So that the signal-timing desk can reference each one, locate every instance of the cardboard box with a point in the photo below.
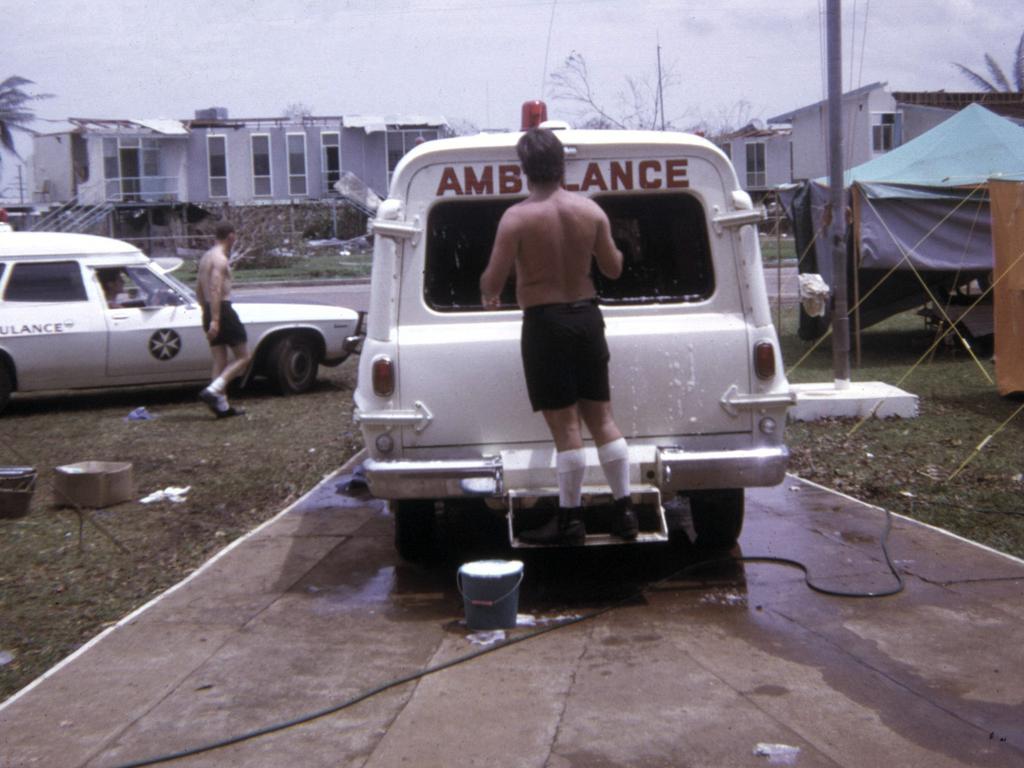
(94, 483)
(16, 487)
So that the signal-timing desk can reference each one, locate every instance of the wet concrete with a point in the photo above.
(686, 667)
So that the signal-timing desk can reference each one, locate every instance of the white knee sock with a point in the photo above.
(614, 458)
(571, 466)
(218, 385)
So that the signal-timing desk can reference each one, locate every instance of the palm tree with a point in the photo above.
(999, 82)
(15, 114)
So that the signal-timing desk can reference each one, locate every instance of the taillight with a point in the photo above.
(534, 113)
(764, 360)
(383, 376)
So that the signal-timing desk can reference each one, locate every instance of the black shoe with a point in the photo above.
(228, 412)
(565, 528)
(624, 523)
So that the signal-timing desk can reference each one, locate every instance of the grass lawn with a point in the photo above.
(319, 264)
(911, 466)
(61, 581)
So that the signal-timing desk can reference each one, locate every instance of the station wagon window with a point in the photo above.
(663, 240)
(45, 282)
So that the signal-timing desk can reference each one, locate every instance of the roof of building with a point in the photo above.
(1005, 104)
(787, 117)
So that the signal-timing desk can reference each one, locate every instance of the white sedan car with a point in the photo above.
(62, 328)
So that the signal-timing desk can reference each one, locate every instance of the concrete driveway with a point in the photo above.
(737, 665)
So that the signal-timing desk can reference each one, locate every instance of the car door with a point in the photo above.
(50, 328)
(155, 332)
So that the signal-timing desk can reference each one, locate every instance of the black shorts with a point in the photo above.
(232, 332)
(565, 355)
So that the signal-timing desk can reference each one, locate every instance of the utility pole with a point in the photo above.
(837, 230)
(661, 94)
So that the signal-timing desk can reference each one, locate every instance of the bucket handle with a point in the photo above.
(487, 603)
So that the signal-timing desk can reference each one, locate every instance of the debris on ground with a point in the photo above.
(170, 493)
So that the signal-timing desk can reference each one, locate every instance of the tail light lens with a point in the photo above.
(383, 376)
(764, 360)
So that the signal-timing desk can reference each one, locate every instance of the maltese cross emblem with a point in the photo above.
(164, 344)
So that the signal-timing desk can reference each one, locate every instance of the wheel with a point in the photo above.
(6, 386)
(292, 364)
(414, 528)
(717, 517)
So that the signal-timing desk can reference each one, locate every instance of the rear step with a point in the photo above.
(529, 508)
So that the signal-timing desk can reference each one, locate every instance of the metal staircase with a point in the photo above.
(73, 216)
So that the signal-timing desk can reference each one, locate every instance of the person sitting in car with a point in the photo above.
(112, 281)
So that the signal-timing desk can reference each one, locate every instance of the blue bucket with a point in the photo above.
(490, 592)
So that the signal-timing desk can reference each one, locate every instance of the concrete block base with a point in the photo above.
(861, 398)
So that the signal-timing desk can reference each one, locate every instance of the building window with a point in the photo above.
(400, 141)
(261, 186)
(884, 131)
(330, 143)
(296, 163)
(216, 148)
(756, 176)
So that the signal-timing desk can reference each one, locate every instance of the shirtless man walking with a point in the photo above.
(549, 240)
(223, 329)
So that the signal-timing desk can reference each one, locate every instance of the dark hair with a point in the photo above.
(108, 275)
(542, 155)
(223, 230)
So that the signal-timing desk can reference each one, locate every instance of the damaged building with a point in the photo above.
(153, 181)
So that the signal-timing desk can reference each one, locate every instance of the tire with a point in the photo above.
(292, 364)
(414, 528)
(717, 518)
(6, 386)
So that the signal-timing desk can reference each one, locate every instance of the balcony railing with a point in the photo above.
(148, 189)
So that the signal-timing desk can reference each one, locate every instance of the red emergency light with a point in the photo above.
(534, 113)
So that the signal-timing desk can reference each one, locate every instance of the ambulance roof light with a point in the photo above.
(534, 113)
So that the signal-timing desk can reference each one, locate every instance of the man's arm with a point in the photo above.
(214, 294)
(503, 257)
(609, 258)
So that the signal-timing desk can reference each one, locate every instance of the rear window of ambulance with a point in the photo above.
(663, 239)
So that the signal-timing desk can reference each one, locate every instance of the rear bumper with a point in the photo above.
(669, 469)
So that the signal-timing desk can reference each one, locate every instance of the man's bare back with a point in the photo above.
(550, 239)
(214, 278)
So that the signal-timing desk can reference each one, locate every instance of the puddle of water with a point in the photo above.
(374, 591)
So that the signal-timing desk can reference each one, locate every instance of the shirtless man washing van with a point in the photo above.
(550, 239)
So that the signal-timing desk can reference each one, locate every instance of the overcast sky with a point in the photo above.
(477, 60)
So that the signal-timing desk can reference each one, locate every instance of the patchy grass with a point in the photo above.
(63, 578)
(911, 466)
(318, 264)
(774, 249)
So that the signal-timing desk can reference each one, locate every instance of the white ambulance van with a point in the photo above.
(697, 382)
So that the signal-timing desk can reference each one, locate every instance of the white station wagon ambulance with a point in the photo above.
(59, 330)
(696, 375)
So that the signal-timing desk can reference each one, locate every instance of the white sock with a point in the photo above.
(571, 466)
(222, 403)
(218, 385)
(614, 458)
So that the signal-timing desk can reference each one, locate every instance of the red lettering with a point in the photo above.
(449, 183)
(622, 175)
(573, 187)
(646, 168)
(675, 174)
(510, 180)
(484, 185)
(594, 178)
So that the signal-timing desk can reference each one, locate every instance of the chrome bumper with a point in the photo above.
(670, 469)
(434, 479)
